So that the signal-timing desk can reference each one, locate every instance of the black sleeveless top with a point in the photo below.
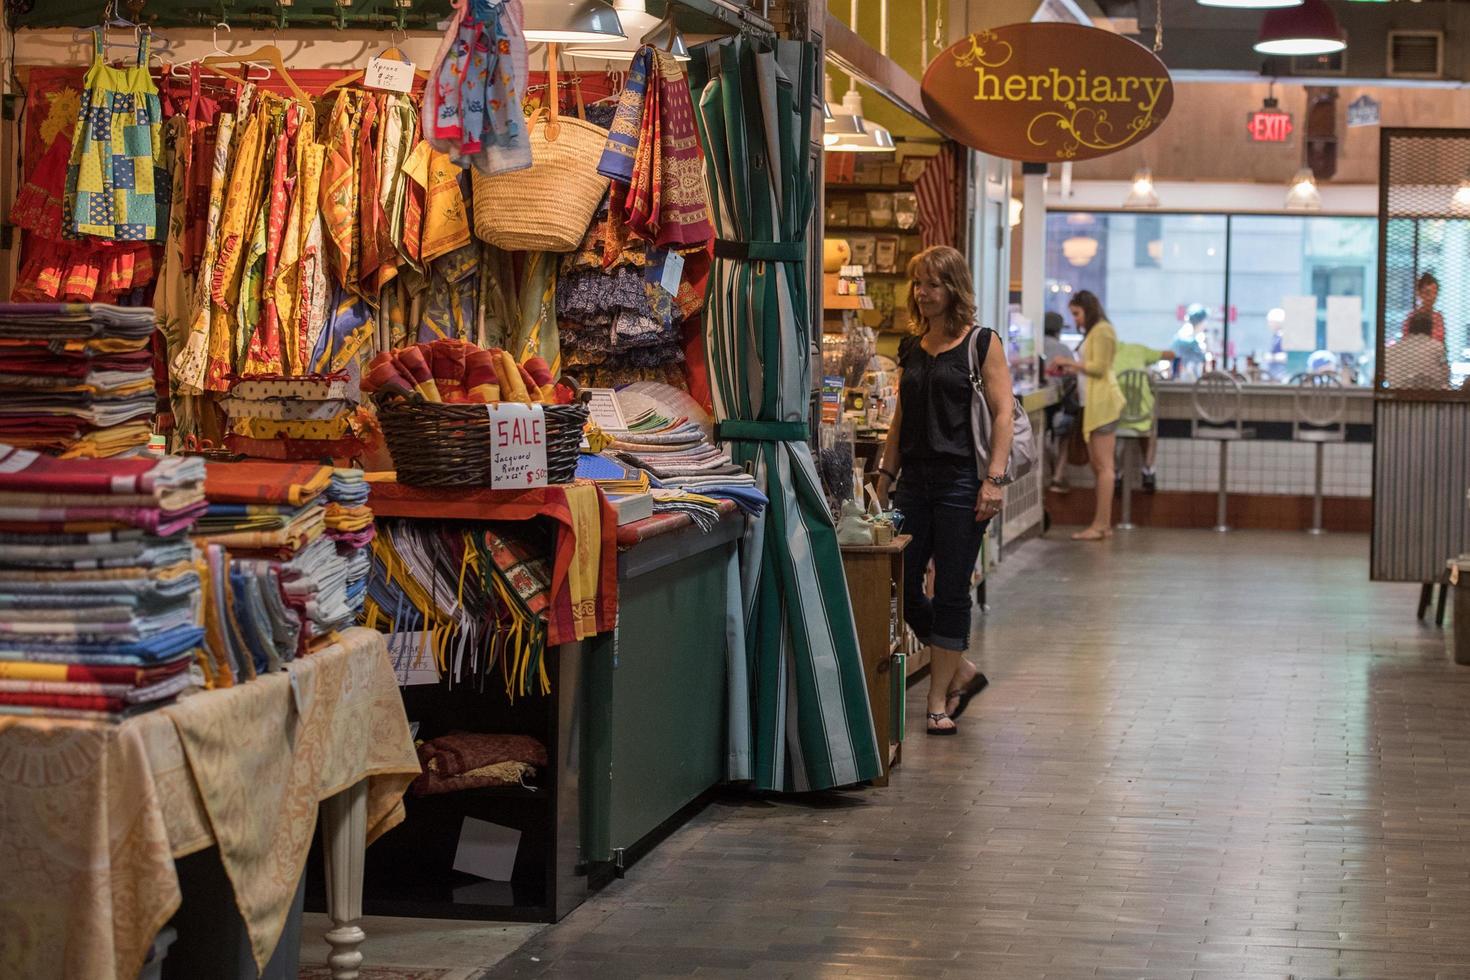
(935, 394)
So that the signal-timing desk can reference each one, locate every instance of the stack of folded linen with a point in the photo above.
(99, 583)
(350, 524)
(677, 455)
(278, 587)
(306, 418)
(76, 379)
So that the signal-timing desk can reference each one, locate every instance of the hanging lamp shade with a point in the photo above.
(854, 133)
(1141, 193)
(572, 21)
(1310, 28)
(641, 28)
(1303, 194)
(1250, 4)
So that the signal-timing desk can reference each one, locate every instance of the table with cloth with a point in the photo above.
(92, 815)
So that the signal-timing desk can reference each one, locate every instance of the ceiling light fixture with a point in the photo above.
(870, 136)
(1303, 194)
(1311, 28)
(1142, 194)
(572, 21)
(1460, 200)
(1250, 4)
(641, 28)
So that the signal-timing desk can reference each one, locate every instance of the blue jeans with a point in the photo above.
(936, 504)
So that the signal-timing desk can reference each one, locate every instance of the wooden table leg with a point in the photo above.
(344, 830)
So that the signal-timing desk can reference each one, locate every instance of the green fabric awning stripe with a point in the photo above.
(761, 431)
(804, 715)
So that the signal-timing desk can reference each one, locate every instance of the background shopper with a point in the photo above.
(1426, 294)
(1102, 403)
(930, 451)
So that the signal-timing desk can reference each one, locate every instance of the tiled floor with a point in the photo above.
(1201, 756)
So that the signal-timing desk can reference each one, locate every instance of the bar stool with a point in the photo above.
(1217, 416)
(1136, 385)
(1318, 417)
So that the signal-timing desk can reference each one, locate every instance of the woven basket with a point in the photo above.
(548, 207)
(436, 445)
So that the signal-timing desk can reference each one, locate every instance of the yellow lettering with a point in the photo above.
(983, 94)
(1036, 82)
(1154, 87)
(1057, 78)
(1124, 86)
(1102, 89)
(1016, 88)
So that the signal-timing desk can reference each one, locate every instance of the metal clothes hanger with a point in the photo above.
(392, 51)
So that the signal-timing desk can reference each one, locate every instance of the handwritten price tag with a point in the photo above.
(388, 74)
(517, 446)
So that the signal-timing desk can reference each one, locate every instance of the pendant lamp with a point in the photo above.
(641, 28)
(1310, 28)
(1303, 194)
(1142, 194)
(869, 137)
(836, 124)
(572, 21)
(1460, 200)
(1250, 4)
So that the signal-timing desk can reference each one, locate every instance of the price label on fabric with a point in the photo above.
(388, 74)
(673, 272)
(517, 446)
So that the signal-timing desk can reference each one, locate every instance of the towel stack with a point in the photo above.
(99, 610)
(688, 468)
(277, 585)
(306, 418)
(76, 379)
(350, 525)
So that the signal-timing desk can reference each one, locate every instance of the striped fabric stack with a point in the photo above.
(99, 609)
(276, 583)
(76, 379)
(688, 473)
(350, 525)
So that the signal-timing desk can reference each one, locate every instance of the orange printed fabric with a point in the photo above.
(340, 190)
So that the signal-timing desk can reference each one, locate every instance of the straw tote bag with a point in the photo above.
(548, 207)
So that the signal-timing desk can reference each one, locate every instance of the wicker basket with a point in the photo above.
(548, 207)
(436, 445)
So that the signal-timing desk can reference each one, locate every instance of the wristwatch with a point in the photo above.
(1001, 480)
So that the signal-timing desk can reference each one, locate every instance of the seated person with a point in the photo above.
(1416, 360)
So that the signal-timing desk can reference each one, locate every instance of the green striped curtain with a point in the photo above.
(808, 724)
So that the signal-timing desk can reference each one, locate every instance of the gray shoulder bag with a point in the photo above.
(1023, 447)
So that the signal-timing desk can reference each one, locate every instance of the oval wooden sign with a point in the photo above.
(1042, 93)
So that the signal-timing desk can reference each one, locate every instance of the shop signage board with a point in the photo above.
(1364, 111)
(1046, 92)
(517, 446)
(1269, 126)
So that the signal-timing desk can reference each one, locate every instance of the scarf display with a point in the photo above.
(471, 109)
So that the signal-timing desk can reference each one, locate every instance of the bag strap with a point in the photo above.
(553, 92)
(982, 341)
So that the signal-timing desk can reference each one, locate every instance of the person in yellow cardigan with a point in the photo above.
(1102, 404)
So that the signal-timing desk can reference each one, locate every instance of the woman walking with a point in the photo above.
(1102, 404)
(948, 488)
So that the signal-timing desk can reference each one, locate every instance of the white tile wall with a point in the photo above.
(1266, 467)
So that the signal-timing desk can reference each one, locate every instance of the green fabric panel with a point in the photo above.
(761, 431)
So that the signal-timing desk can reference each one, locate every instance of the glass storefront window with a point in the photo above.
(1152, 271)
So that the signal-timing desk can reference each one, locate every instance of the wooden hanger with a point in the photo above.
(268, 54)
(355, 78)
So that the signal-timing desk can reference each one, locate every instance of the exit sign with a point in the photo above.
(1269, 126)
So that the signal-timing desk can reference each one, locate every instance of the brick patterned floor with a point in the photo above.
(1201, 756)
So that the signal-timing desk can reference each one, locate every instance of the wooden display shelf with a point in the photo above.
(875, 188)
(875, 589)
(862, 229)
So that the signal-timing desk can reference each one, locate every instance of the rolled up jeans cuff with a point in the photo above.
(949, 643)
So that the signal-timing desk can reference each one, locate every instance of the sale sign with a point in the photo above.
(517, 446)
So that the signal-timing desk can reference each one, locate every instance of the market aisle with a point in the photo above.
(1249, 763)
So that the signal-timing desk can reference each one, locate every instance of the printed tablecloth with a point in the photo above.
(92, 816)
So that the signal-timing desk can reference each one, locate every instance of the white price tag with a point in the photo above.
(388, 74)
(517, 446)
(673, 272)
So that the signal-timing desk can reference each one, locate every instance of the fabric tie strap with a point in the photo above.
(760, 251)
(761, 431)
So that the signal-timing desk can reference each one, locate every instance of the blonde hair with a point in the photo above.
(948, 266)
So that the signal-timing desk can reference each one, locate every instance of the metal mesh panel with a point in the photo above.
(1424, 330)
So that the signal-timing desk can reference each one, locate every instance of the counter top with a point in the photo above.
(1251, 389)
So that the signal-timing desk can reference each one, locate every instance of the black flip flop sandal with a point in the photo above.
(938, 716)
(977, 684)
